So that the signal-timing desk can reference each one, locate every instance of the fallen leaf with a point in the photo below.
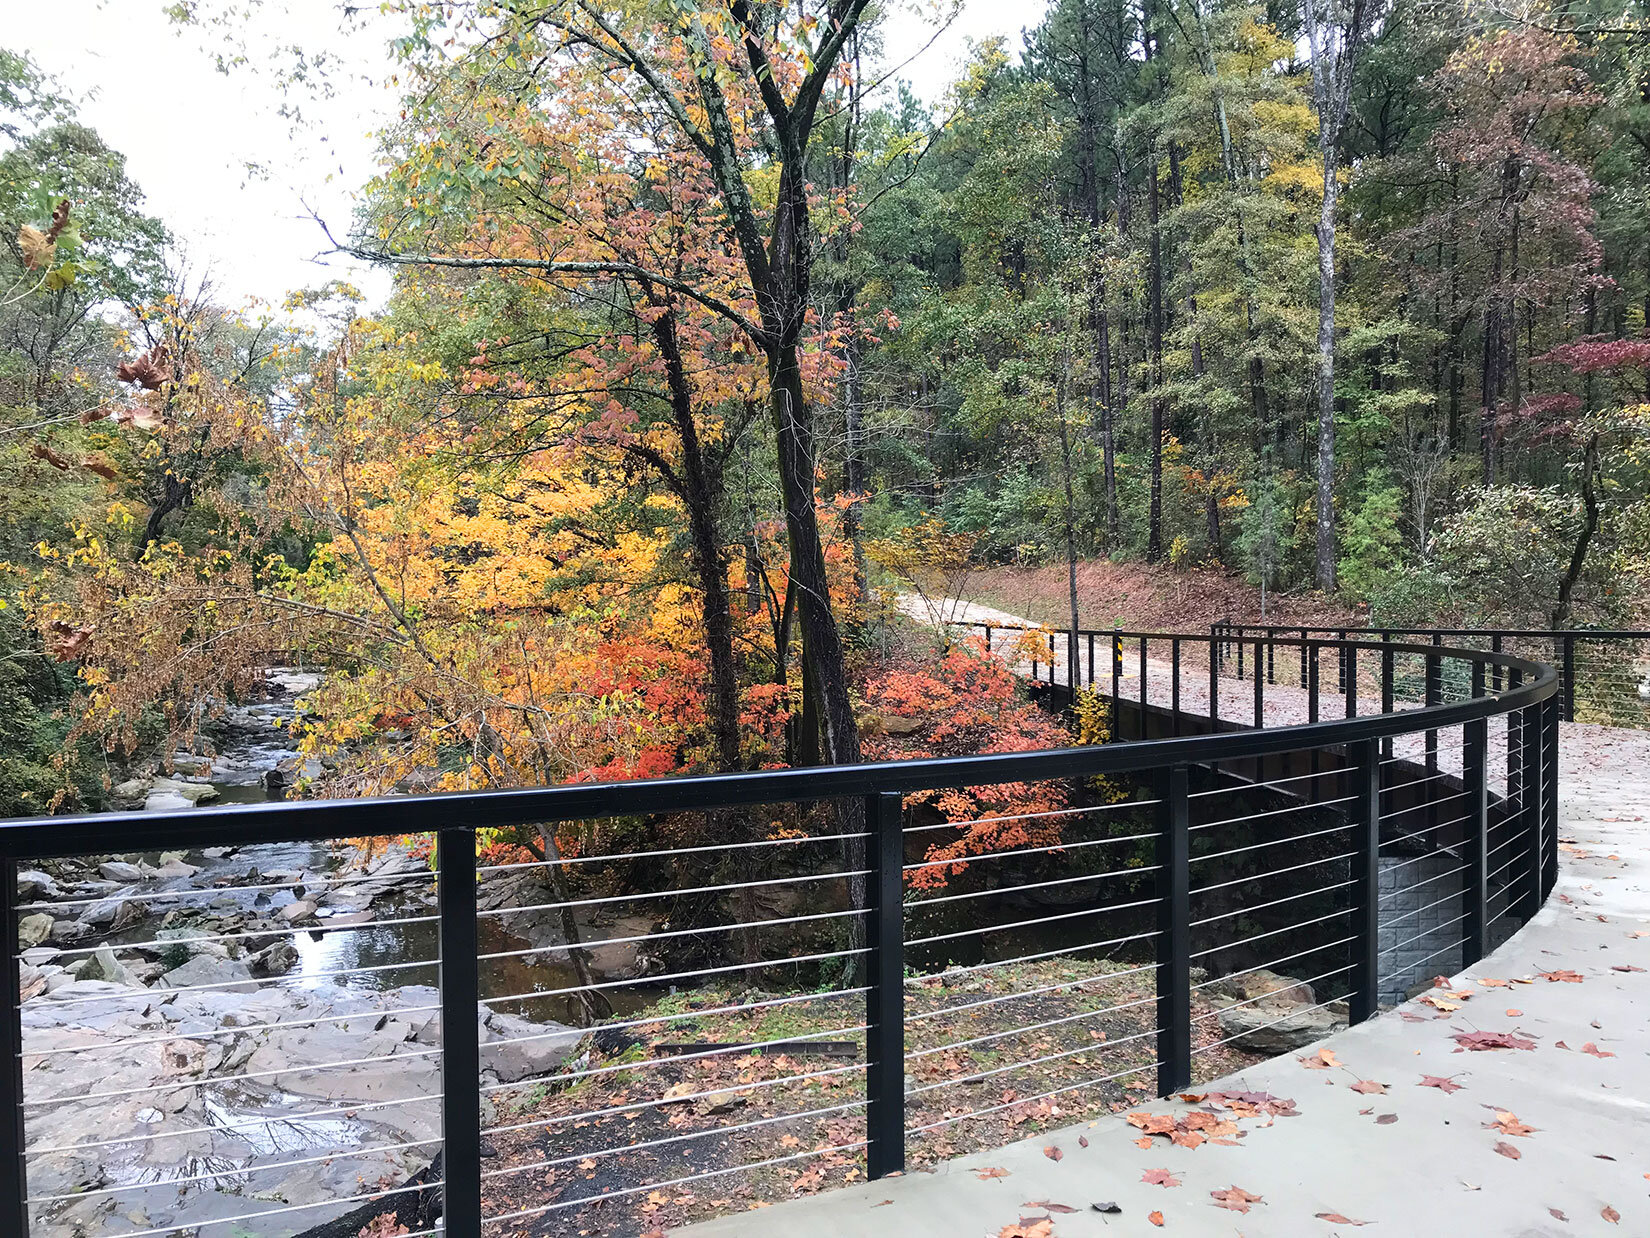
(1563, 975)
(1513, 1014)
(1625, 967)
(1508, 1151)
(1386, 1119)
(1054, 1154)
(1040, 1228)
(1082, 1141)
(1143, 1142)
(984, 1174)
(1494, 984)
(1442, 1082)
(1323, 1059)
(1335, 1218)
(1106, 1206)
(1235, 1198)
(1156, 1218)
(1369, 1087)
(1557, 1215)
(1048, 1207)
(1610, 1214)
(1595, 1051)
(1508, 1124)
(1159, 1177)
(1152, 1123)
(1491, 1040)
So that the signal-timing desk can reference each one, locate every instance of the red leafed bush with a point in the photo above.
(967, 704)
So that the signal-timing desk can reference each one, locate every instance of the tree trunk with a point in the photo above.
(1154, 534)
(1326, 372)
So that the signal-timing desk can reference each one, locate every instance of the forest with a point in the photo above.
(708, 337)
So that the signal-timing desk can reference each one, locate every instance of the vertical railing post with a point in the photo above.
(1349, 671)
(1549, 786)
(1240, 660)
(1387, 703)
(1091, 659)
(1434, 696)
(460, 1033)
(1495, 674)
(1143, 692)
(1174, 932)
(1116, 683)
(1260, 687)
(1215, 659)
(14, 1180)
(1569, 677)
(1303, 657)
(1174, 682)
(1535, 739)
(1475, 744)
(1312, 682)
(885, 996)
(1365, 814)
(987, 628)
(1340, 661)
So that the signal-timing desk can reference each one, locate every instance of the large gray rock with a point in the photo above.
(32, 930)
(515, 1049)
(166, 801)
(114, 914)
(274, 960)
(102, 965)
(33, 884)
(231, 974)
(1273, 1027)
(119, 870)
(195, 792)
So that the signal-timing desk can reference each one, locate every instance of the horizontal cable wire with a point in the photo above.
(238, 1030)
(1266, 786)
(1277, 842)
(283, 931)
(1009, 997)
(541, 1209)
(153, 994)
(1275, 812)
(1454, 945)
(1070, 1087)
(1288, 928)
(271, 1120)
(1029, 816)
(569, 861)
(917, 904)
(1246, 911)
(201, 891)
(719, 889)
(1030, 958)
(1299, 954)
(681, 975)
(270, 1212)
(652, 1102)
(739, 1008)
(1427, 933)
(997, 928)
(659, 1143)
(739, 1050)
(1035, 1027)
(1437, 902)
(245, 1171)
(179, 1084)
(1276, 872)
(659, 936)
(1003, 855)
(1099, 1046)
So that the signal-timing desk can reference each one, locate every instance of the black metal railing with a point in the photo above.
(1021, 933)
(1603, 675)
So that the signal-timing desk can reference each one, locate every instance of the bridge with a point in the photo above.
(1050, 1009)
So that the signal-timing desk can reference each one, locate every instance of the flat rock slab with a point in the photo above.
(1412, 1158)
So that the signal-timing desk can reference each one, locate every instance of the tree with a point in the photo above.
(1335, 36)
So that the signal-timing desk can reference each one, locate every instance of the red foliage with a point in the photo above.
(967, 703)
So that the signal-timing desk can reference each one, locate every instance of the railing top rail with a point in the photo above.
(43, 837)
(1230, 625)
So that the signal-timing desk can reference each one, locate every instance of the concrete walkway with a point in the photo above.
(1548, 1137)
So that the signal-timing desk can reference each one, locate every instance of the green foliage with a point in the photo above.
(1371, 543)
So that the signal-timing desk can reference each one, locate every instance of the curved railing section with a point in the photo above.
(742, 986)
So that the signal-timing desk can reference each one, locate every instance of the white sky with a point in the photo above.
(190, 132)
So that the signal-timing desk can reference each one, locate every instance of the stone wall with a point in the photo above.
(1408, 885)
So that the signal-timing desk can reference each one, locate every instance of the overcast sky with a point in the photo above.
(189, 132)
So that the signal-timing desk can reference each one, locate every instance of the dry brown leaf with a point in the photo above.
(1610, 1214)
(1321, 1060)
(1508, 1124)
(1054, 1154)
(1335, 1218)
(1507, 1150)
(1369, 1087)
(1235, 1198)
(1595, 1051)
(1443, 1083)
(986, 1174)
(1159, 1177)
(1156, 1218)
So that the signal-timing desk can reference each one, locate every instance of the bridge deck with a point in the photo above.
(1411, 1157)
